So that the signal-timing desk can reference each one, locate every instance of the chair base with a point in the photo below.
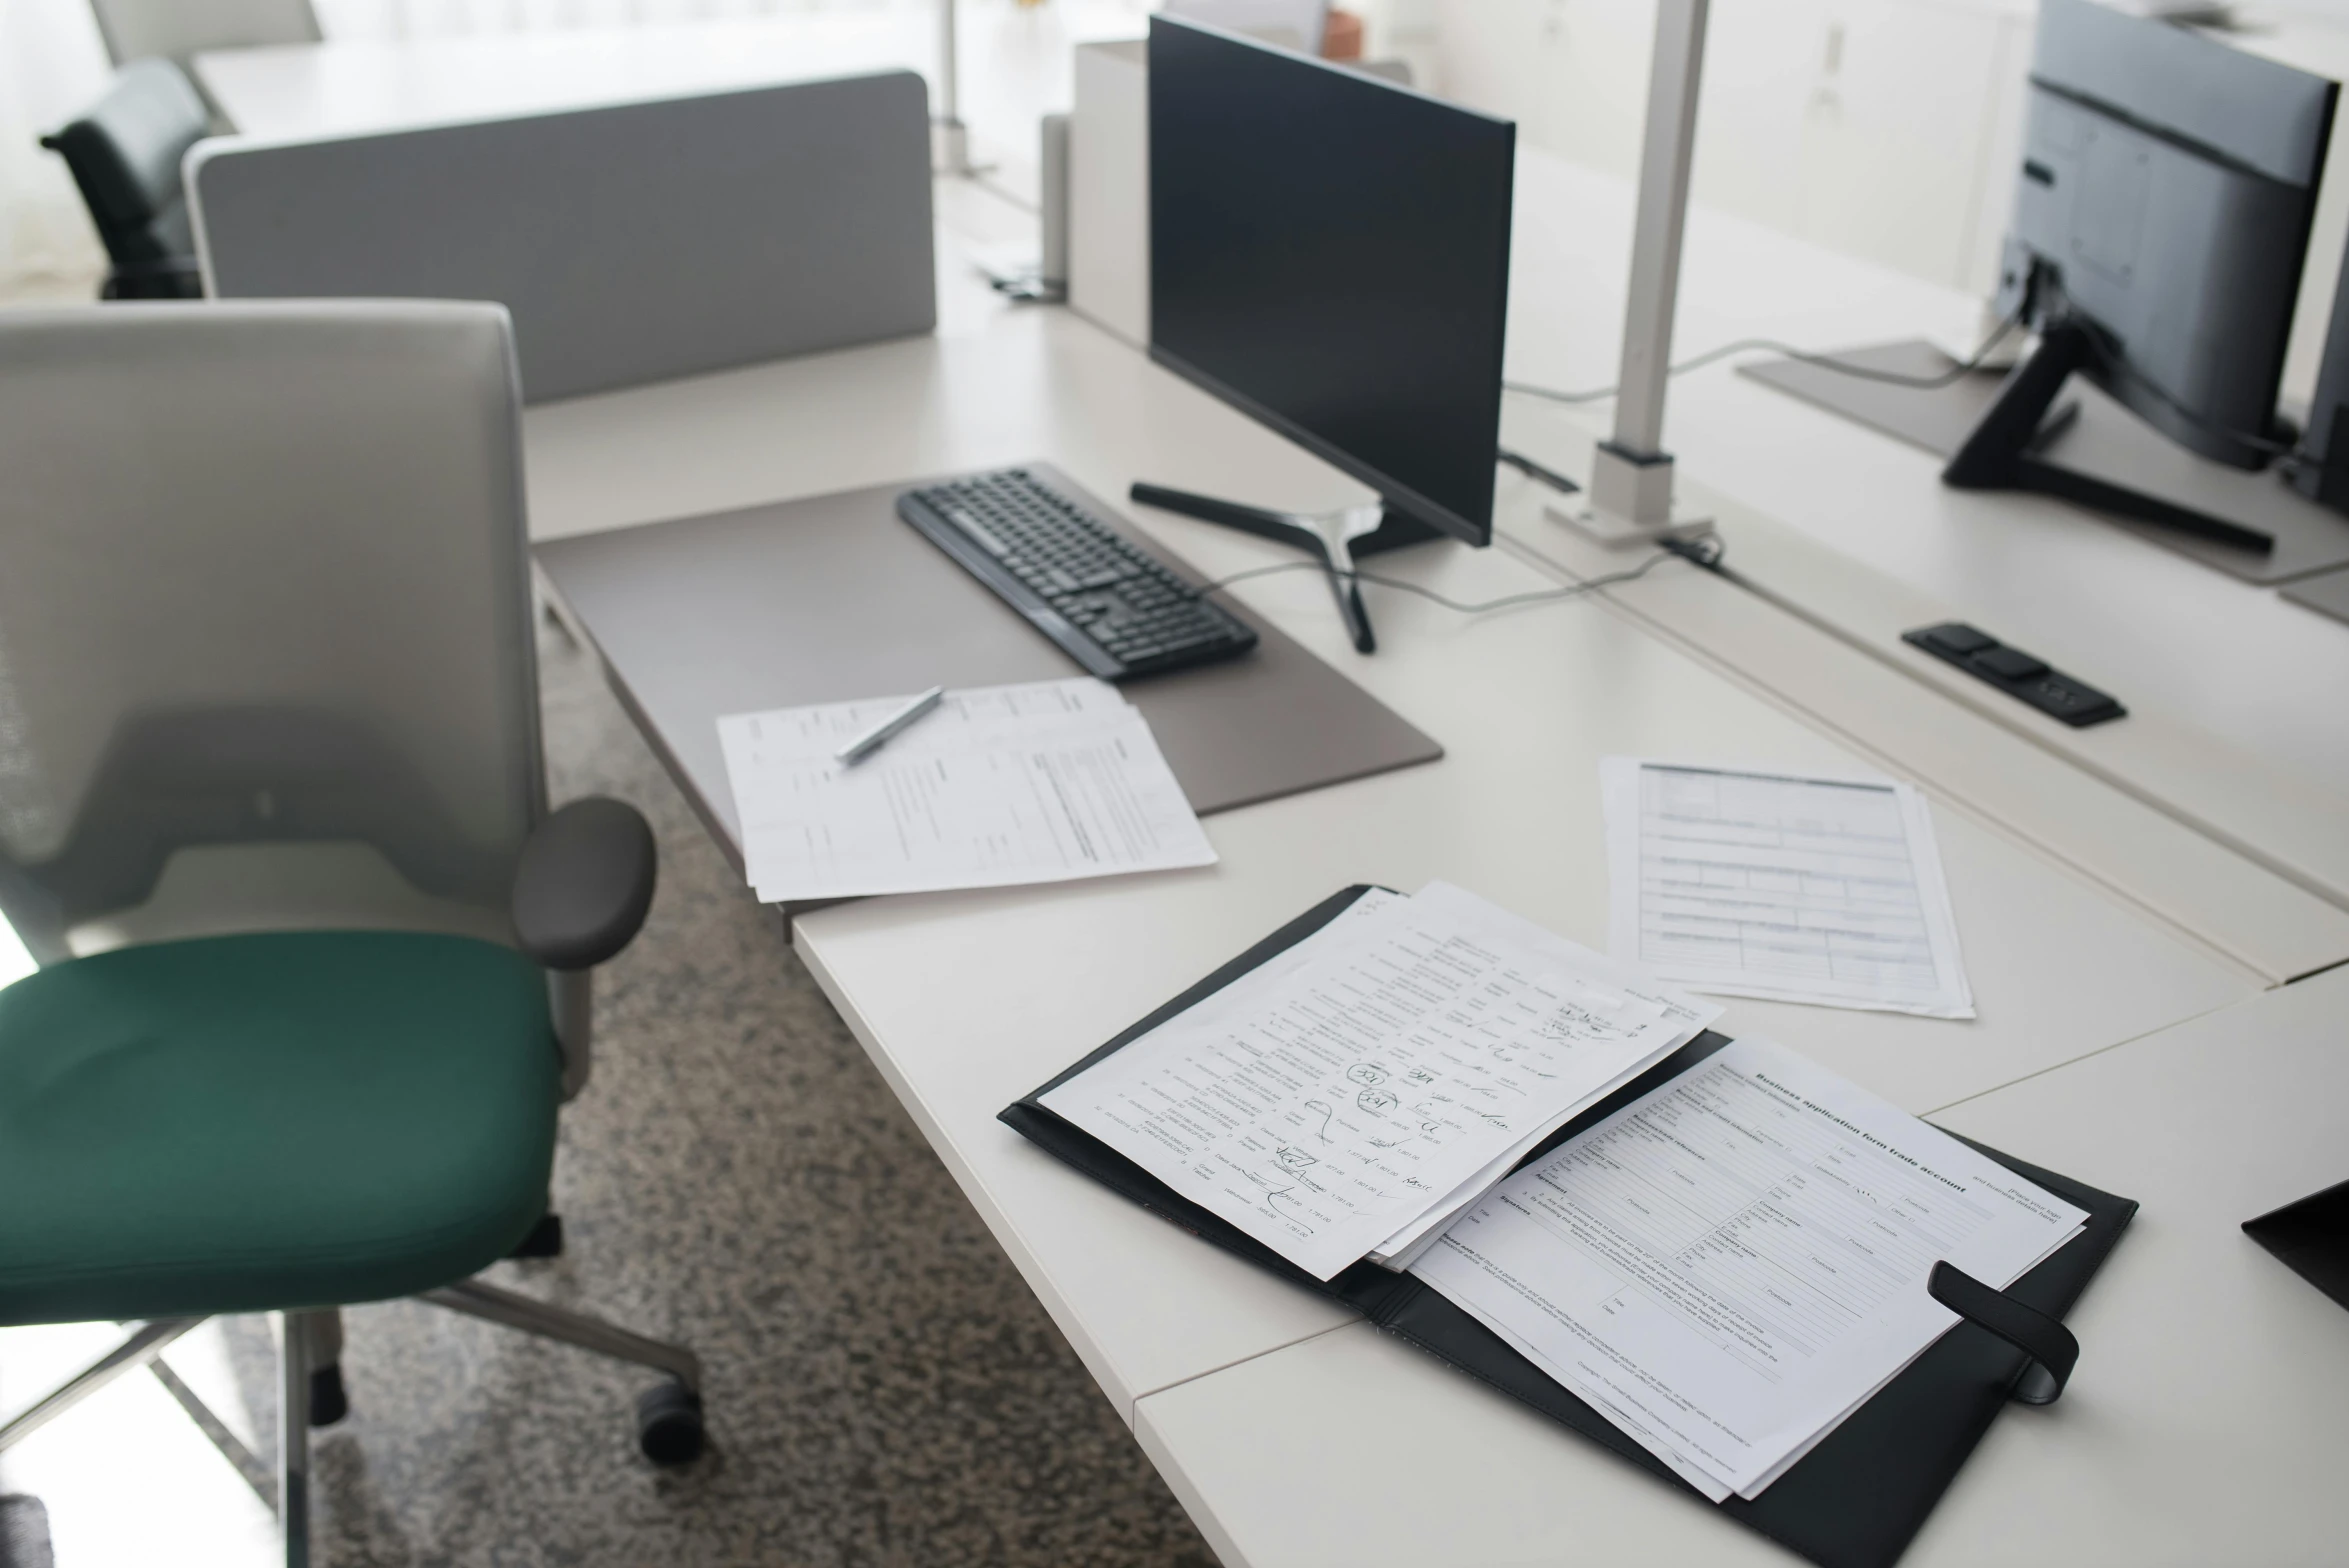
(668, 1416)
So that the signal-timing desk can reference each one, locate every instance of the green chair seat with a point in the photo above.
(246, 1123)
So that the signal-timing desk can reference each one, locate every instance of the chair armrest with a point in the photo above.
(584, 884)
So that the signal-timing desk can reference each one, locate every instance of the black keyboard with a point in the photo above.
(1113, 609)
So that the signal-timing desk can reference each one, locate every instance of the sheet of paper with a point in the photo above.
(1355, 1091)
(1732, 1264)
(1753, 883)
(1044, 782)
(1688, 1018)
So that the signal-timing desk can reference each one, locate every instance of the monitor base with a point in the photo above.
(1334, 539)
(1617, 532)
(2001, 451)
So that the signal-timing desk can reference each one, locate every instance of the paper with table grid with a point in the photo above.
(1796, 888)
(1730, 1266)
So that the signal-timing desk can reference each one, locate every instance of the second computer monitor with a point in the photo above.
(2167, 187)
(1330, 253)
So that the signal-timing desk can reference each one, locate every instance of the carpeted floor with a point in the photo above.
(882, 1387)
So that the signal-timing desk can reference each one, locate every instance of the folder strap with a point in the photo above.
(2050, 1345)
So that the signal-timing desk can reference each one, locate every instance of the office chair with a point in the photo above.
(137, 29)
(125, 154)
(315, 954)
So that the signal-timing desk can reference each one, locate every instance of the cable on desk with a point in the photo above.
(1948, 377)
(1703, 552)
(1547, 475)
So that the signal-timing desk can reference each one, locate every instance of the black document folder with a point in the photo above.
(1854, 1501)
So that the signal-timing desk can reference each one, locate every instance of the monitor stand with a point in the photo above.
(1334, 539)
(2001, 452)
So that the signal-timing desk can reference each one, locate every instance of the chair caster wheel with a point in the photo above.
(544, 1241)
(668, 1424)
(328, 1402)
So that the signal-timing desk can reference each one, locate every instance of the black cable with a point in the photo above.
(1548, 476)
(1948, 377)
(1695, 551)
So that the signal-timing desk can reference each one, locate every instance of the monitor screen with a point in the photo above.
(1329, 252)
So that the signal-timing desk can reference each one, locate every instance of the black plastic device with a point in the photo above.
(1110, 606)
(1329, 254)
(2018, 674)
(2161, 220)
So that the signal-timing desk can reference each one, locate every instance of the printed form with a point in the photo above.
(1328, 1103)
(1043, 782)
(1797, 889)
(1734, 1263)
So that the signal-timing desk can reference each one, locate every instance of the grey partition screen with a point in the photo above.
(631, 242)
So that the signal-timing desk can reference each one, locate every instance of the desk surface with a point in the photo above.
(2236, 719)
(1016, 984)
(372, 85)
(2205, 1423)
(967, 1000)
(2235, 725)
(1015, 65)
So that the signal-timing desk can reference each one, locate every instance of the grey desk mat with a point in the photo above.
(2327, 593)
(832, 598)
(2106, 441)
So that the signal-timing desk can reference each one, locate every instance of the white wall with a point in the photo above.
(1882, 128)
(1887, 129)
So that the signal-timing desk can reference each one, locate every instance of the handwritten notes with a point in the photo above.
(1327, 1103)
(1730, 1266)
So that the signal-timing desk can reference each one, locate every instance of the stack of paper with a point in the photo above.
(1800, 888)
(1733, 1264)
(1348, 1099)
(1044, 782)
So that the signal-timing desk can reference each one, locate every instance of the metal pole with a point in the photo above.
(953, 137)
(145, 1343)
(1665, 158)
(1631, 479)
(293, 1436)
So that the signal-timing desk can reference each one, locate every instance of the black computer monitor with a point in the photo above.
(1329, 252)
(2161, 220)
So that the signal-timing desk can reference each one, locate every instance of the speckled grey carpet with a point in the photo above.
(882, 1387)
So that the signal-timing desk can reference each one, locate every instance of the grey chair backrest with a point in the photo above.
(135, 29)
(265, 633)
(632, 242)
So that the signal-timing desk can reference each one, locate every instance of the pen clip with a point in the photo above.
(2051, 1346)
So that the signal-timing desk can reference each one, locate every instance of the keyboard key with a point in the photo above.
(1109, 604)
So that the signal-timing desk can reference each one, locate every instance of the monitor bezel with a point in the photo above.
(1393, 492)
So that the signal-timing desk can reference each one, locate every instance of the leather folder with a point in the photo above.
(1854, 1501)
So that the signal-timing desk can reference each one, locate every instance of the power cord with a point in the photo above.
(1948, 377)
(1705, 552)
(1548, 476)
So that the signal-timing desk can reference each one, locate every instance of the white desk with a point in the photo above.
(2205, 1422)
(2236, 720)
(2016, 557)
(373, 85)
(1014, 66)
(966, 1001)
(2235, 727)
